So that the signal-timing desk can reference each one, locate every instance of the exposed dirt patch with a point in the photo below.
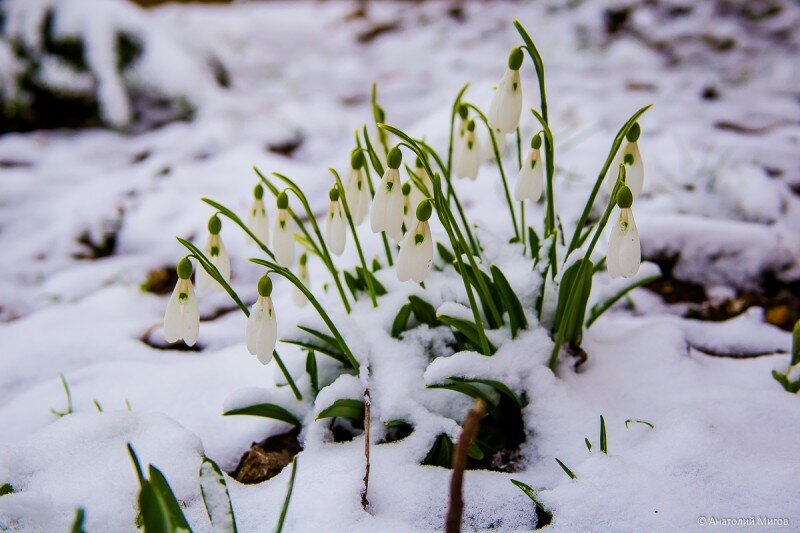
(266, 459)
(160, 280)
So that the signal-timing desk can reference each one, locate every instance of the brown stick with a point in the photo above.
(465, 440)
(364, 501)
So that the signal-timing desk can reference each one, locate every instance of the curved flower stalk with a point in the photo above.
(356, 191)
(416, 251)
(468, 157)
(530, 181)
(262, 327)
(282, 235)
(335, 227)
(258, 221)
(506, 106)
(632, 159)
(182, 317)
(298, 297)
(218, 255)
(624, 249)
(387, 206)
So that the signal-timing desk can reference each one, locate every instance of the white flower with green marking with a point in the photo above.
(530, 180)
(335, 225)
(624, 249)
(258, 221)
(416, 250)
(182, 317)
(218, 256)
(634, 166)
(356, 190)
(387, 207)
(298, 297)
(262, 327)
(468, 159)
(282, 233)
(506, 106)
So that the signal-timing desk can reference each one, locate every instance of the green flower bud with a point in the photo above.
(357, 159)
(265, 286)
(624, 197)
(515, 59)
(303, 259)
(418, 163)
(395, 157)
(333, 194)
(214, 225)
(406, 190)
(463, 111)
(258, 192)
(634, 132)
(184, 268)
(283, 200)
(536, 142)
(424, 210)
(471, 125)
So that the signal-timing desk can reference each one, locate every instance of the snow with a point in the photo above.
(724, 431)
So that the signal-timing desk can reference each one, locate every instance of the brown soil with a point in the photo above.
(266, 459)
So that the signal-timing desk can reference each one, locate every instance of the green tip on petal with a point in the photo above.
(214, 225)
(624, 197)
(283, 200)
(184, 268)
(536, 142)
(333, 194)
(515, 59)
(406, 189)
(463, 111)
(357, 159)
(424, 210)
(634, 133)
(258, 192)
(395, 157)
(265, 286)
(303, 259)
(418, 163)
(471, 125)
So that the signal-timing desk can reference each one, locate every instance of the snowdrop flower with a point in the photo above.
(634, 166)
(459, 139)
(416, 251)
(218, 255)
(624, 249)
(416, 195)
(469, 157)
(298, 297)
(356, 191)
(335, 226)
(530, 180)
(506, 105)
(259, 223)
(282, 235)
(262, 328)
(182, 317)
(387, 207)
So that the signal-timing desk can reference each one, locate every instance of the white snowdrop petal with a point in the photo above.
(377, 218)
(634, 173)
(506, 106)
(253, 326)
(336, 229)
(259, 223)
(283, 242)
(267, 334)
(630, 251)
(405, 257)
(424, 255)
(172, 316)
(223, 262)
(394, 214)
(190, 316)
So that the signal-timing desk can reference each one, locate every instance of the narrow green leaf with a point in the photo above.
(499, 386)
(397, 422)
(401, 320)
(216, 498)
(352, 283)
(564, 467)
(344, 408)
(380, 290)
(571, 308)
(466, 328)
(288, 498)
(446, 255)
(472, 391)
(795, 344)
(603, 436)
(475, 451)
(637, 421)
(78, 523)
(6, 488)
(153, 510)
(599, 308)
(516, 315)
(441, 452)
(319, 347)
(423, 311)
(265, 410)
(311, 368)
(160, 484)
(588, 444)
(533, 243)
(543, 516)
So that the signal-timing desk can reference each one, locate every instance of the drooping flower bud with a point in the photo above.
(182, 316)
(262, 326)
(506, 106)
(335, 226)
(282, 234)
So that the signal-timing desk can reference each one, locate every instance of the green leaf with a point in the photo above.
(288, 497)
(164, 491)
(475, 451)
(543, 516)
(311, 368)
(446, 255)
(424, 312)
(373, 157)
(329, 340)
(497, 385)
(319, 347)
(472, 391)
(401, 320)
(637, 421)
(573, 295)
(265, 410)
(516, 315)
(795, 344)
(352, 283)
(6, 488)
(216, 498)
(588, 444)
(78, 524)
(380, 290)
(466, 328)
(397, 422)
(154, 512)
(534, 243)
(441, 452)
(601, 307)
(344, 408)
(564, 467)
(603, 436)
(484, 298)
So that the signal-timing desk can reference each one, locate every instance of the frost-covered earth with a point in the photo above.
(722, 174)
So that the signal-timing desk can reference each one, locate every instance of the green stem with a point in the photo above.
(285, 508)
(238, 221)
(286, 273)
(453, 113)
(286, 374)
(343, 198)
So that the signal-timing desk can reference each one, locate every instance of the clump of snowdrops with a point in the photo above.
(409, 191)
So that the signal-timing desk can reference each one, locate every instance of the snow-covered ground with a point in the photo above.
(720, 147)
